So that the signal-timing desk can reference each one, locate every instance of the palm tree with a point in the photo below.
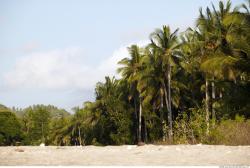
(166, 43)
(210, 32)
(219, 56)
(113, 122)
(129, 70)
(206, 42)
(149, 81)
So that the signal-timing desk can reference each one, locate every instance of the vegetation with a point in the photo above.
(10, 131)
(191, 87)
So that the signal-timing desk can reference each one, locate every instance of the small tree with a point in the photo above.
(10, 128)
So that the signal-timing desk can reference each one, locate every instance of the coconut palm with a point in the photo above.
(220, 32)
(166, 43)
(129, 70)
(150, 78)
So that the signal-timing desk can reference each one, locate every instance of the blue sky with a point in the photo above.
(54, 51)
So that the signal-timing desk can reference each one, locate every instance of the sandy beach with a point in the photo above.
(126, 155)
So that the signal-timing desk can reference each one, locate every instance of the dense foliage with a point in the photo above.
(10, 131)
(189, 87)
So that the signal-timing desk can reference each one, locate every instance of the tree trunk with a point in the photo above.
(139, 127)
(136, 119)
(154, 107)
(79, 134)
(213, 100)
(166, 95)
(162, 116)
(161, 106)
(221, 95)
(166, 100)
(207, 106)
(145, 130)
(43, 139)
(170, 120)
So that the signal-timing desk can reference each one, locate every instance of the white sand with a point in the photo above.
(126, 155)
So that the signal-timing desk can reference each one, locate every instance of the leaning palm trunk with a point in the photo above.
(170, 121)
(139, 127)
(207, 106)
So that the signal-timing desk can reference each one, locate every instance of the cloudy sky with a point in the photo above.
(54, 51)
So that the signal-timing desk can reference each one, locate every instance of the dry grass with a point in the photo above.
(231, 132)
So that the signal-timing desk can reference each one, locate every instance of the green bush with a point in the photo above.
(190, 127)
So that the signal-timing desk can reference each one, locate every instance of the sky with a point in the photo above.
(55, 51)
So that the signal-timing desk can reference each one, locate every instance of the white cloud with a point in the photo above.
(110, 66)
(53, 69)
(62, 69)
(30, 46)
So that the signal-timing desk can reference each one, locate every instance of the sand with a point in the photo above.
(152, 155)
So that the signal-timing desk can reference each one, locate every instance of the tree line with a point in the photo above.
(187, 87)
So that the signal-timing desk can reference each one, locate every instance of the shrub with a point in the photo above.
(231, 132)
(190, 127)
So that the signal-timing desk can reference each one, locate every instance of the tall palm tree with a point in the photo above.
(167, 45)
(216, 31)
(150, 78)
(129, 70)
